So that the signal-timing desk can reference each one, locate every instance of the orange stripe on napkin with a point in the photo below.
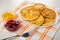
(54, 29)
(59, 21)
(59, 12)
(1, 20)
(28, 38)
(2, 28)
(47, 37)
(22, 4)
(28, 29)
(44, 33)
(38, 33)
(23, 29)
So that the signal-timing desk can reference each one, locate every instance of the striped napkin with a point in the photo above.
(42, 33)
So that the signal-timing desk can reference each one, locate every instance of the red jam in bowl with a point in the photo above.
(12, 25)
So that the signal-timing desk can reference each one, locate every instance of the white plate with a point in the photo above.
(10, 5)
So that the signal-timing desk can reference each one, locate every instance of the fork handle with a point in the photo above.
(9, 38)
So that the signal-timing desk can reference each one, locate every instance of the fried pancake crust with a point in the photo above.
(48, 22)
(39, 6)
(30, 13)
(49, 13)
(39, 21)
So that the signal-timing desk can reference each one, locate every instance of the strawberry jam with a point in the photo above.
(12, 25)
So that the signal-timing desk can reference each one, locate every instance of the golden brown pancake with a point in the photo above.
(30, 13)
(49, 13)
(39, 21)
(39, 6)
(48, 22)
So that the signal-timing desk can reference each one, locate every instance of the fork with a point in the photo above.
(27, 34)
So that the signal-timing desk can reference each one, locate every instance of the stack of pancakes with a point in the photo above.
(38, 14)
